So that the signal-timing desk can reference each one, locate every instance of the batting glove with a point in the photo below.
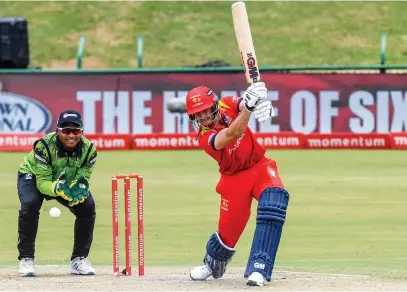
(79, 190)
(254, 94)
(264, 111)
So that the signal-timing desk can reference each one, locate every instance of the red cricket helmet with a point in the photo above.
(199, 99)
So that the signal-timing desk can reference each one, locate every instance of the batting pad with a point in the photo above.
(218, 255)
(271, 212)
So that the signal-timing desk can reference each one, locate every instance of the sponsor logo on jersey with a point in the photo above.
(227, 118)
(271, 171)
(236, 145)
(223, 105)
(225, 205)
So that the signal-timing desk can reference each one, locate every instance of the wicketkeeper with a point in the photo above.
(245, 174)
(59, 167)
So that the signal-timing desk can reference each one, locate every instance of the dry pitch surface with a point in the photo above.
(56, 278)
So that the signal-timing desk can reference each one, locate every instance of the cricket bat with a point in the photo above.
(245, 42)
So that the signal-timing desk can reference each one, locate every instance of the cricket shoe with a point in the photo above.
(255, 279)
(200, 273)
(26, 267)
(81, 266)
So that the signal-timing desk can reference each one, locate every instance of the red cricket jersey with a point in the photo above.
(240, 154)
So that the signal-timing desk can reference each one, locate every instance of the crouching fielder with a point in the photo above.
(245, 174)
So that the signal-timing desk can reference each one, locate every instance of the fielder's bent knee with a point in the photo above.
(30, 207)
(218, 255)
(87, 209)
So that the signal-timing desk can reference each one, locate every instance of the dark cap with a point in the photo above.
(70, 116)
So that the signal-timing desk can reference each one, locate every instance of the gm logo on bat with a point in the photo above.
(251, 64)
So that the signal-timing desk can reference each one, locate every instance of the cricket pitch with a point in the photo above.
(56, 278)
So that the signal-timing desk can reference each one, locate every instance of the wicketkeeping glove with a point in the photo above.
(264, 111)
(254, 94)
(79, 190)
(61, 188)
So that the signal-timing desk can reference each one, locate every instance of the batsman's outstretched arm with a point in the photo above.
(235, 130)
(253, 95)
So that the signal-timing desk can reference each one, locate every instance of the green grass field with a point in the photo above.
(178, 34)
(347, 211)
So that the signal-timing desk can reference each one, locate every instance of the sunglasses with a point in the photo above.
(67, 131)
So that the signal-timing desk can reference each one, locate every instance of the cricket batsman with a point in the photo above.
(245, 174)
(59, 167)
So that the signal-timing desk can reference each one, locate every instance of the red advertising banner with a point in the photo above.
(283, 140)
(110, 141)
(134, 103)
(18, 142)
(164, 141)
(398, 141)
(189, 141)
(347, 141)
(103, 142)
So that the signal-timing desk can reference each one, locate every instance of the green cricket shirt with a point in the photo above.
(49, 159)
